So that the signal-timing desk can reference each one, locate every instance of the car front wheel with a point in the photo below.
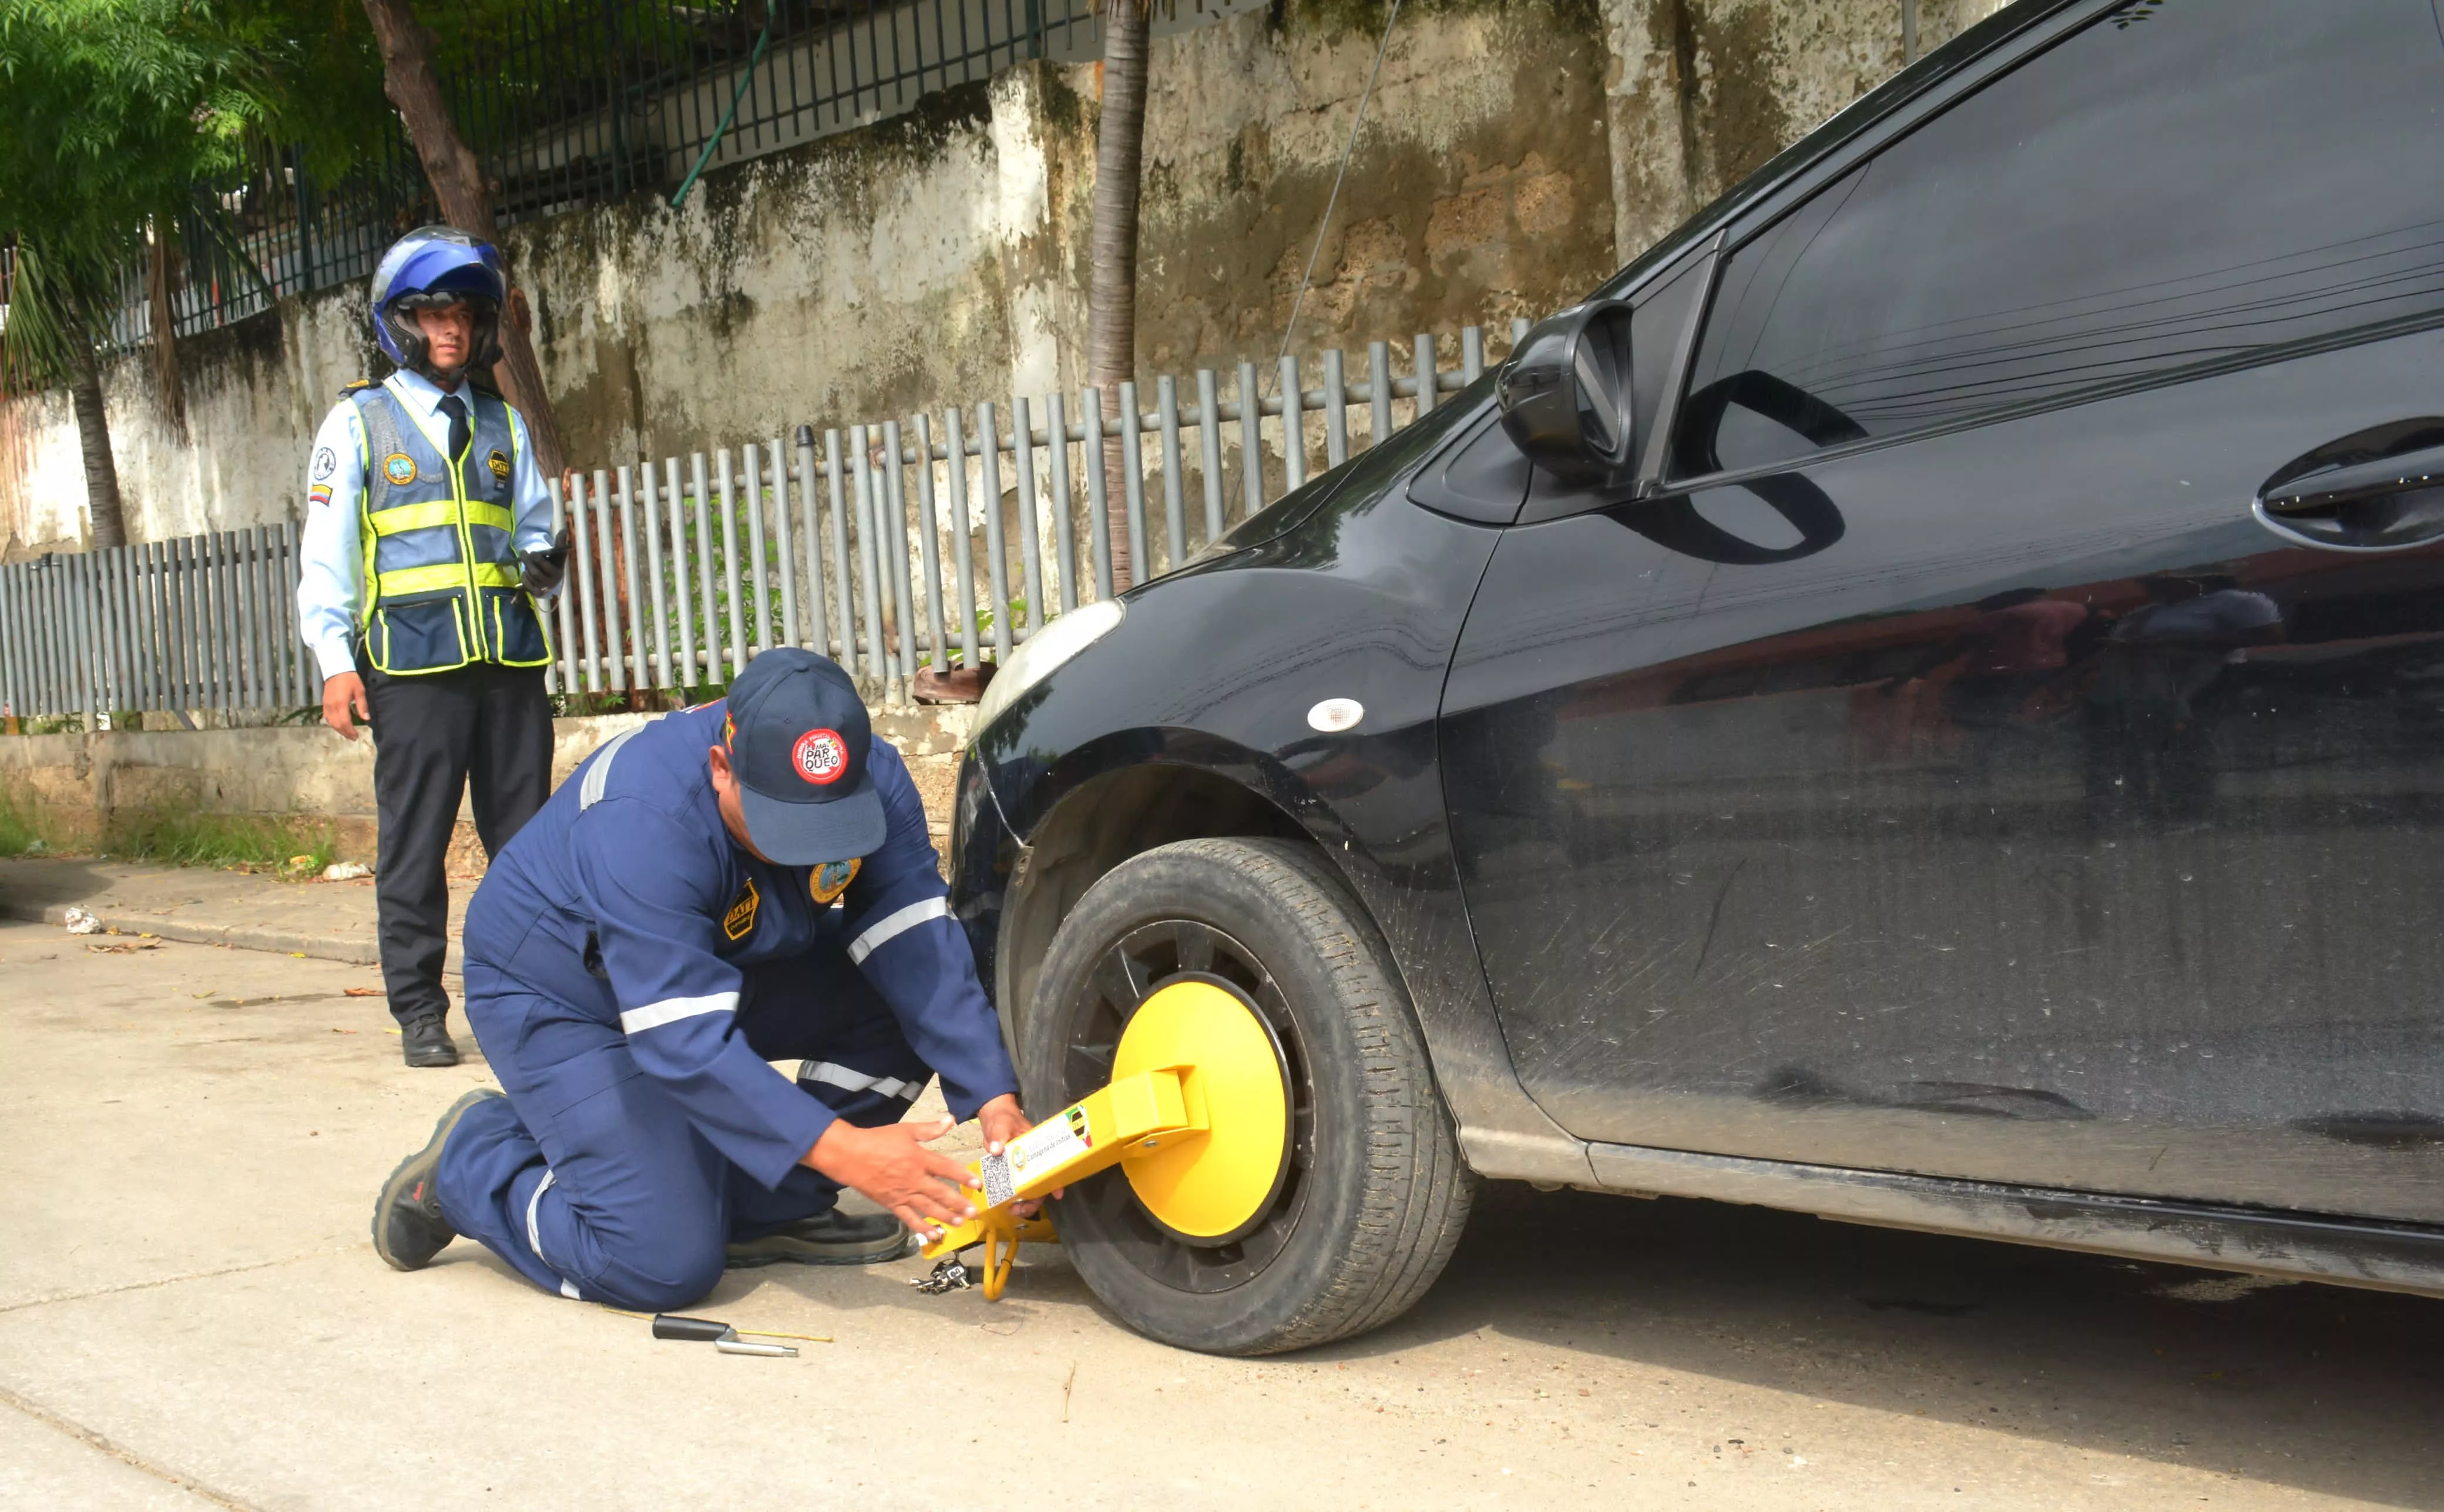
(1347, 1192)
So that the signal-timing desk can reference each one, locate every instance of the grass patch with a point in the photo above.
(249, 842)
(20, 834)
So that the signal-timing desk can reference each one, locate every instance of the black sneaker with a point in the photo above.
(408, 1226)
(833, 1238)
(426, 1042)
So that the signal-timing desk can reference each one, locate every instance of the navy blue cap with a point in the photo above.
(799, 739)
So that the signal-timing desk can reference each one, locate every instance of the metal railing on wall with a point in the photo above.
(945, 539)
(204, 622)
(941, 540)
(574, 102)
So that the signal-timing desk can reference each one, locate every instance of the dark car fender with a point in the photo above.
(1191, 718)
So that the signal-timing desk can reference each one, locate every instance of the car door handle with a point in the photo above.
(2380, 490)
(2324, 493)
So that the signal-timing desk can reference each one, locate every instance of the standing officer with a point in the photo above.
(427, 535)
(744, 881)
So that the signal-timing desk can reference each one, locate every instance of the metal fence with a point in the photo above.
(571, 103)
(943, 540)
(203, 622)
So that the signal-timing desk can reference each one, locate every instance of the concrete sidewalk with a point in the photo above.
(191, 1318)
(328, 921)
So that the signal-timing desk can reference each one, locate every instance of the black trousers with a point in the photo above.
(432, 735)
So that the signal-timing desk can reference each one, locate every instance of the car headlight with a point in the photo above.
(1044, 652)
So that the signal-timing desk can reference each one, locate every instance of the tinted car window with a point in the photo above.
(2180, 182)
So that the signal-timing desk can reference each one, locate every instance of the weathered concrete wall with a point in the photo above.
(75, 782)
(1514, 153)
(1703, 92)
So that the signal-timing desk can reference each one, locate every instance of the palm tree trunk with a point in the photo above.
(457, 181)
(165, 331)
(93, 436)
(1112, 297)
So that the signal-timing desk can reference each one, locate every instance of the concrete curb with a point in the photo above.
(282, 942)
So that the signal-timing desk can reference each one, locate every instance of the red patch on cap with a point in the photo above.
(820, 757)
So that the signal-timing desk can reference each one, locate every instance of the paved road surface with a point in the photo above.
(191, 1317)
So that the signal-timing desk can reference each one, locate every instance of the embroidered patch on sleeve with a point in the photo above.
(831, 879)
(325, 462)
(318, 493)
(740, 921)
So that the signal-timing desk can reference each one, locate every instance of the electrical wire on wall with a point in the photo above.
(1347, 151)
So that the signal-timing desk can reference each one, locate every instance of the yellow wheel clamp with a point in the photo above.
(1197, 1115)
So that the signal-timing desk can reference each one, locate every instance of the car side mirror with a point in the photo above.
(1564, 394)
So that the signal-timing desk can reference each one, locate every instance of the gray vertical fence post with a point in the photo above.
(1252, 440)
(759, 620)
(1336, 410)
(1031, 542)
(869, 560)
(1133, 479)
(783, 558)
(13, 697)
(633, 664)
(261, 661)
(1518, 331)
(1065, 539)
(148, 618)
(841, 569)
(648, 497)
(996, 556)
(249, 559)
(962, 547)
(1099, 514)
(224, 633)
(682, 580)
(810, 523)
(615, 657)
(737, 612)
(105, 639)
(1209, 447)
(564, 608)
(173, 637)
(1293, 427)
(1471, 353)
(1378, 391)
(582, 529)
(1174, 505)
(309, 669)
(929, 546)
(47, 618)
(708, 612)
(1425, 374)
(894, 497)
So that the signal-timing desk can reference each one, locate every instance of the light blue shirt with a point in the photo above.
(332, 551)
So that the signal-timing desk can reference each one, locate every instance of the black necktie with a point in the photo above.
(460, 432)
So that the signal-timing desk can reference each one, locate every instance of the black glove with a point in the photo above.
(544, 569)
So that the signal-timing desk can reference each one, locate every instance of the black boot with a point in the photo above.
(833, 1238)
(408, 1226)
(426, 1042)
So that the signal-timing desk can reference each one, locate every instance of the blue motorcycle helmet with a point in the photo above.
(433, 268)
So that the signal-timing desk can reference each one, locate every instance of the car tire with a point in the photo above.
(1373, 1194)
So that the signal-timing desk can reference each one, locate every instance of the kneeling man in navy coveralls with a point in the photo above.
(742, 882)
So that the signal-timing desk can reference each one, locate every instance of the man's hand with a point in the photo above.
(1003, 1121)
(544, 569)
(342, 694)
(892, 1166)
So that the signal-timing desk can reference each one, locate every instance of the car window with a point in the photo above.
(2182, 182)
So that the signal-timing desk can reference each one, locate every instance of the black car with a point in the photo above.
(1921, 702)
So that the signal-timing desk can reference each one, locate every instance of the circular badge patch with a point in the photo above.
(399, 467)
(821, 756)
(325, 462)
